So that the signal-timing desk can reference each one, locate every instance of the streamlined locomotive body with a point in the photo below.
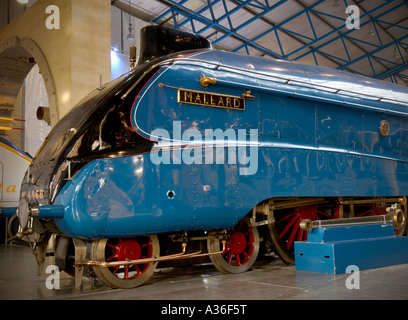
(200, 145)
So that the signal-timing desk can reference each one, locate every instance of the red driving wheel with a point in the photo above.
(121, 249)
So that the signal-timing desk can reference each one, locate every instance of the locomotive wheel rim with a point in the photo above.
(241, 249)
(130, 276)
(285, 230)
(285, 254)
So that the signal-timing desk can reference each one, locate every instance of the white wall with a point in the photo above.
(35, 96)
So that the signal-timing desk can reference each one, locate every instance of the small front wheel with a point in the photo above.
(124, 249)
(241, 248)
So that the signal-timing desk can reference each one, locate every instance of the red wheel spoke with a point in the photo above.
(115, 270)
(238, 260)
(227, 248)
(114, 256)
(365, 213)
(286, 217)
(293, 234)
(230, 256)
(126, 273)
(324, 214)
(290, 223)
(146, 244)
(246, 255)
(115, 247)
(300, 235)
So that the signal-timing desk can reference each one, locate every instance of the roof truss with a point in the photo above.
(310, 31)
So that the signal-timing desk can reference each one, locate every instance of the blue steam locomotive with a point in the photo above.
(204, 153)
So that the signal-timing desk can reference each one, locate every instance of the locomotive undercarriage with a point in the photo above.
(272, 226)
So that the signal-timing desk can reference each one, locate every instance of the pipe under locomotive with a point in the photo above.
(199, 144)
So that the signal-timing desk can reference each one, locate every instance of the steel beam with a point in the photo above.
(314, 43)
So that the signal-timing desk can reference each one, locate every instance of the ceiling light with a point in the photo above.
(371, 31)
(22, 1)
(130, 36)
(396, 56)
(336, 3)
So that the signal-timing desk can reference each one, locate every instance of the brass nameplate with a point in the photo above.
(210, 99)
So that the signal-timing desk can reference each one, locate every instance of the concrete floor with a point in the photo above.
(270, 280)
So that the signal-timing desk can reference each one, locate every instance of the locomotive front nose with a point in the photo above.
(26, 214)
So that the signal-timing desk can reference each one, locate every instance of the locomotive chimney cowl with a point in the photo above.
(158, 41)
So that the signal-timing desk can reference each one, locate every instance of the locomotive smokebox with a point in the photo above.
(158, 41)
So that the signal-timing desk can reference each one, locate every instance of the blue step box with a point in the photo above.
(331, 250)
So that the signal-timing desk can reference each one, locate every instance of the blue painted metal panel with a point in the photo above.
(8, 212)
(104, 200)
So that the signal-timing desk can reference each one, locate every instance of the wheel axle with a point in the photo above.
(128, 262)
